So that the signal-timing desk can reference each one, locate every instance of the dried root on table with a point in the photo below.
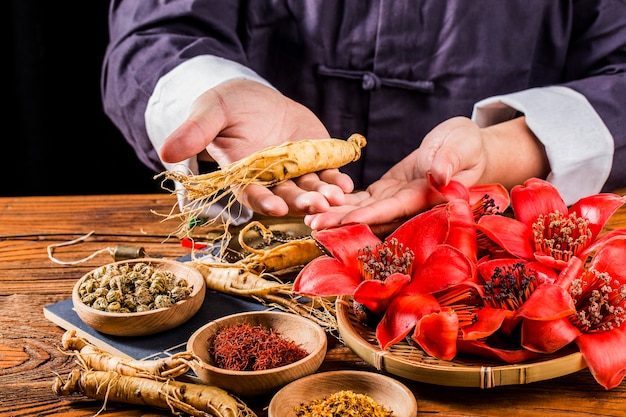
(257, 276)
(179, 397)
(237, 280)
(280, 259)
(92, 357)
(268, 167)
(107, 377)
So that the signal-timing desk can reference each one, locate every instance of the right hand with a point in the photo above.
(507, 153)
(240, 117)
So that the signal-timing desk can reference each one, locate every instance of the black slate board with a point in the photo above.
(215, 305)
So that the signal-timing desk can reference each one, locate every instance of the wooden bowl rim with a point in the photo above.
(319, 349)
(194, 273)
(317, 379)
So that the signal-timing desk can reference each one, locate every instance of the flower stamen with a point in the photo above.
(387, 258)
(600, 302)
(486, 205)
(561, 237)
(509, 286)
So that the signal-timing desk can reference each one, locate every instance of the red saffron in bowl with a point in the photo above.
(246, 347)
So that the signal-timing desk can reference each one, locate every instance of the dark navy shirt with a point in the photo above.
(390, 70)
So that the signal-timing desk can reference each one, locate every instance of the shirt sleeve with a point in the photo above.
(578, 144)
(170, 104)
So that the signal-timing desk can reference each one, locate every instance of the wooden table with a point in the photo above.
(29, 280)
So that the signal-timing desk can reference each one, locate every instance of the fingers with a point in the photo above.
(341, 180)
(380, 213)
(332, 184)
(263, 201)
(288, 198)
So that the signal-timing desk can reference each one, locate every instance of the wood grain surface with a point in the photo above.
(29, 344)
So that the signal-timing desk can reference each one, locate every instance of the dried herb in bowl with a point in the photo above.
(344, 402)
(247, 347)
(125, 288)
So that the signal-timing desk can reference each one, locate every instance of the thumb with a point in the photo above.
(206, 121)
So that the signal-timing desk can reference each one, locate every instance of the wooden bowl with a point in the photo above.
(301, 331)
(386, 391)
(145, 322)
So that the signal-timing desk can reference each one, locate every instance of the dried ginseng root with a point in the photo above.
(283, 258)
(93, 358)
(273, 165)
(268, 167)
(179, 397)
(237, 280)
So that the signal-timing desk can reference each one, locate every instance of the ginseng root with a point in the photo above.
(237, 280)
(93, 358)
(273, 165)
(268, 167)
(282, 258)
(179, 397)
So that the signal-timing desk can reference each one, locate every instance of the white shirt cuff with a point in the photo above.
(578, 144)
(171, 102)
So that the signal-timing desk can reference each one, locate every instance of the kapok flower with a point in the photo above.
(509, 282)
(374, 271)
(437, 321)
(484, 199)
(586, 305)
(544, 228)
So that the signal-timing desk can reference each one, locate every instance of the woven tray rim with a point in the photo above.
(412, 363)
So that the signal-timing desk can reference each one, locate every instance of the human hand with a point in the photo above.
(240, 117)
(455, 149)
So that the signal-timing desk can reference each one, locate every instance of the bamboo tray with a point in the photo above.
(409, 362)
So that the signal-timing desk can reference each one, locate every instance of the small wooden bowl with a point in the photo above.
(386, 391)
(302, 331)
(145, 322)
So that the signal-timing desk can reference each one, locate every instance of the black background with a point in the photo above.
(56, 138)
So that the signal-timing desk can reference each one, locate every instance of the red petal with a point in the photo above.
(510, 234)
(489, 320)
(548, 336)
(325, 276)
(605, 355)
(445, 267)
(451, 191)
(601, 240)
(462, 233)
(549, 261)
(436, 334)
(344, 243)
(597, 209)
(402, 315)
(535, 197)
(573, 270)
(547, 302)
(611, 258)
(376, 294)
(424, 232)
(480, 348)
(495, 192)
